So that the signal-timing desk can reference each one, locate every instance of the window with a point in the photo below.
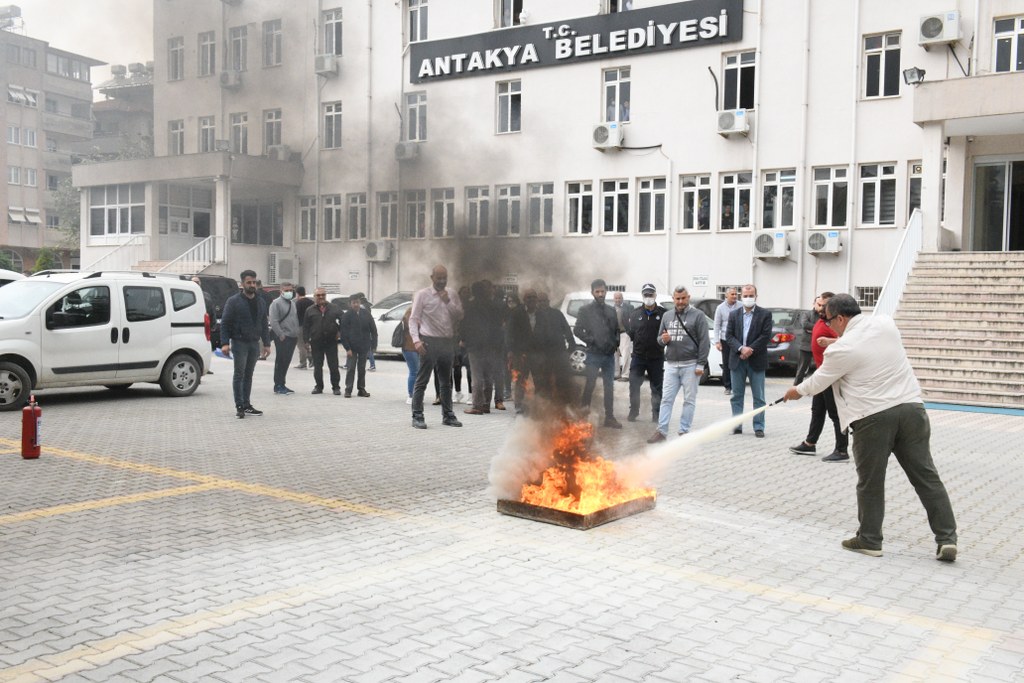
(175, 58)
(416, 116)
(914, 187)
(28, 57)
(16, 95)
(442, 202)
(13, 258)
(882, 65)
(258, 223)
(616, 94)
(14, 135)
(878, 194)
(867, 295)
(332, 32)
(417, 20)
(619, 5)
(615, 206)
(830, 196)
(332, 216)
(695, 191)
(307, 219)
(542, 208)
(31, 99)
(14, 175)
(175, 137)
(735, 200)
(207, 53)
(51, 145)
(52, 181)
(30, 177)
(508, 208)
(184, 210)
(143, 303)
(332, 125)
(240, 133)
(238, 46)
(52, 222)
(80, 308)
(117, 209)
(415, 213)
(478, 211)
(1009, 44)
(357, 216)
(271, 129)
(29, 139)
(52, 106)
(510, 106)
(653, 194)
(778, 198)
(508, 13)
(182, 299)
(207, 134)
(580, 203)
(272, 42)
(387, 215)
(13, 54)
(738, 81)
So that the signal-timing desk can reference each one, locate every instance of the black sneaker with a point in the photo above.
(946, 553)
(632, 417)
(249, 410)
(612, 423)
(854, 544)
(836, 456)
(737, 430)
(803, 449)
(451, 422)
(240, 413)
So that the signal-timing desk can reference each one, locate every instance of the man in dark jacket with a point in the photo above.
(648, 355)
(482, 331)
(598, 328)
(243, 325)
(321, 328)
(748, 332)
(805, 365)
(358, 336)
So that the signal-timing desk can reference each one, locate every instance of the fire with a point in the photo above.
(578, 481)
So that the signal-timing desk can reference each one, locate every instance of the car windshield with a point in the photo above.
(393, 300)
(20, 298)
(784, 317)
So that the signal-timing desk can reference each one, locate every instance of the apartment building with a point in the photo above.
(707, 143)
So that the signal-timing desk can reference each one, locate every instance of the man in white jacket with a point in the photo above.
(879, 399)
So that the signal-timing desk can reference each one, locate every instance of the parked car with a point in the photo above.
(573, 301)
(787, 325)
(220, 288)
(386, 324)
(389, 302)
(9, 276)
(113, 329)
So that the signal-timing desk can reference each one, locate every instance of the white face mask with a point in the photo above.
(287, 296)
(649, 301)
(748, 301)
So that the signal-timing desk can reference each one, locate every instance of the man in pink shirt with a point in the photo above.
(435, 315)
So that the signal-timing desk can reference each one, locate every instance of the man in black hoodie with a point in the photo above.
(598, 328)
(358, 336)
(648, 355)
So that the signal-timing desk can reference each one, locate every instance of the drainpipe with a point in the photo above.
(851, 174)
(369, 138)
(755, 171)
(974, 38)
(669, 223)
(805, 199)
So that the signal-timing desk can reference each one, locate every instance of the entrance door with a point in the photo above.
(998, 206)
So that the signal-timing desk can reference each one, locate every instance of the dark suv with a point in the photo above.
(216, 290)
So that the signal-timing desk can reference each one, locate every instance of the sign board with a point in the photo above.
(353, 275)
(512, 279)
(700, 281)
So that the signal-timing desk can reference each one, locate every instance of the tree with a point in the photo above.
(67, 202)
(47, 260)
(5, 262)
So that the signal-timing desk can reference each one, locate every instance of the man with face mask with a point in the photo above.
(243, 325)
(748, 333)
(285, 325)
(598, 327)
(648, 355)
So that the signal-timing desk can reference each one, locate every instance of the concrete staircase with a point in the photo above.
(962, 321)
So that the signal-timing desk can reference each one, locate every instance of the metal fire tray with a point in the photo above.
(574, 520)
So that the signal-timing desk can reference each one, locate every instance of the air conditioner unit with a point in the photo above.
(770, 244)
(939, 29)
(222, 145)
(378, 251)
(824, 242)
(279, 152)
(407, 150)
(327, 65)
(607, 136)
(231, 79)
(282, 268)
(733, 122)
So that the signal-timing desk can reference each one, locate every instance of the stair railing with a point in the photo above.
(197, 258)
(126, 255)
(899, 272)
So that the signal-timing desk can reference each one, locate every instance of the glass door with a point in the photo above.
(998, 206)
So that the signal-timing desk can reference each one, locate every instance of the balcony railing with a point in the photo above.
(126, 255)
(198, 258)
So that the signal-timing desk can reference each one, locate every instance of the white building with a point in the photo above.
(705, 143)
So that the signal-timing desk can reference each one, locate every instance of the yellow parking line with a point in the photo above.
(216, 482)
(103, 503)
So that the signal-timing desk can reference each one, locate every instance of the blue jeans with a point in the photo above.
(245, 355)
(676, 377)
(597, 362)
(412, 361)
(739, 386)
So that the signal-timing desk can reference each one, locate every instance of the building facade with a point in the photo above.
(47, 110)
(707, 143)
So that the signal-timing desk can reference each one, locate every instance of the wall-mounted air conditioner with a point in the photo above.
(282, 268)
(733, 122)
(939, 28)
(378, 251)
(231, 79)
(279, 152)
(823, 242)
(405, 151)
(607, 136)
(222, 145)
(770, 244)
(327, 65)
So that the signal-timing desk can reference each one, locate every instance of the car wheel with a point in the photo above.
(706, 377)
(181, 375)
(118, 387)
(578, 360)
(15, 386)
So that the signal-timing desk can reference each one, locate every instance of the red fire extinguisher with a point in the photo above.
(31, 416)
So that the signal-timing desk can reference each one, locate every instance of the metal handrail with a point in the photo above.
(118, 259)
(197, 258)
(899, 272)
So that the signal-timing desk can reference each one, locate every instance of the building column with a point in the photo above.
(959, 178)
(222, 215)
(933, 141)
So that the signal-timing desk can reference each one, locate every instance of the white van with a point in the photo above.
(9, 276)
(70, 329)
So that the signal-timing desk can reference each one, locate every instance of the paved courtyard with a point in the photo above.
(161, 539)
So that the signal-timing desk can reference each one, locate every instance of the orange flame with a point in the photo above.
(578, 481)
